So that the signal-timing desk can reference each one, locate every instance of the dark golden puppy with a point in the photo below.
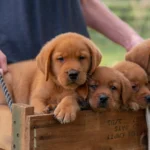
(139, 83)
(140, 54)
(108, 89)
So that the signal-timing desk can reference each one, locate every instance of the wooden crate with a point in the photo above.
(90, 131)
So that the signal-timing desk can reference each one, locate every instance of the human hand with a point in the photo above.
(132, 42)
(140, 54)
(3, 63)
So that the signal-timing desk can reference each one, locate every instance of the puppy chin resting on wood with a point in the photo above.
(109, 90)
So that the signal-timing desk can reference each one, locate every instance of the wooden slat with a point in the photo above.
(19, 113)
(90, 131)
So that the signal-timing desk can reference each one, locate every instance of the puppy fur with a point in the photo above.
(57, 76)
(108, 89)
(60, 68)
(140, 55)
(139, 83)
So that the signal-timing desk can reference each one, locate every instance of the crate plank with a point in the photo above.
(90, 131)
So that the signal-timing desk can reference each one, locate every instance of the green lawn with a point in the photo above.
(111, 52)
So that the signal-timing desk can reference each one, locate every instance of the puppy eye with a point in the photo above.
(61, 59)
(113, 88)
(81, 57)
(93, 87)
(135, 88)
(146, 84)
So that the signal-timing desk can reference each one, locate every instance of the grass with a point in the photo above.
(111, 52)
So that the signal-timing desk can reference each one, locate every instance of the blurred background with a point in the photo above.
(136, 13)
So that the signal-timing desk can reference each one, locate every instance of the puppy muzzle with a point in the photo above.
(73, 75)
(147, 98)
(103, 100)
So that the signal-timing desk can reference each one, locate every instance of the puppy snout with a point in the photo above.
(147, 98)
(73, 74)
(103, 100)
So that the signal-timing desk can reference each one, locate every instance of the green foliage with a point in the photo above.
(136, 13)
(111, 52)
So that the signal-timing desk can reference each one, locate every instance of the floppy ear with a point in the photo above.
(126, 89)
(44, 57)
(140, 54)
(96, 55)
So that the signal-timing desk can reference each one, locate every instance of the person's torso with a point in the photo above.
(25, 25)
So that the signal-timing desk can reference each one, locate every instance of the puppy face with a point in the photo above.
(70, 63)
(68, 59)
(109, 89)
(139, 83)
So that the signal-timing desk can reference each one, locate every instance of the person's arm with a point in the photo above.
(100, 18)
(3, 62)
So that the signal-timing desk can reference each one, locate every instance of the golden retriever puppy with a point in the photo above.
(140, 54)
(108, 89)
(55, 76)
(139, 83)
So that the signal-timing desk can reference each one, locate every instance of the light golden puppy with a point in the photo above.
(139, 83)
(108, 89)
(55, 77)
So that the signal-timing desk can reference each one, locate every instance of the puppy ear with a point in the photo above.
(44, 57)
(126, 90)
(140, 54)
(82, 91)
(96, 55)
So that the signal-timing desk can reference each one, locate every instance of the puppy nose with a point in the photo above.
(73, 74)
(103, 99)
(147, 98)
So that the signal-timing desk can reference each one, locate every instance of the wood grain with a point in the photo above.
(91, 131)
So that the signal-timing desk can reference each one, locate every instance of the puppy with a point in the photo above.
(55, 76)
(139, 83)
(140, 54)
(108, 89)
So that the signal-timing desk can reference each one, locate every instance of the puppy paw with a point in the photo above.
(134, 106)
(65, 113)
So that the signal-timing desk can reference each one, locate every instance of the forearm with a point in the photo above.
(100, 18)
